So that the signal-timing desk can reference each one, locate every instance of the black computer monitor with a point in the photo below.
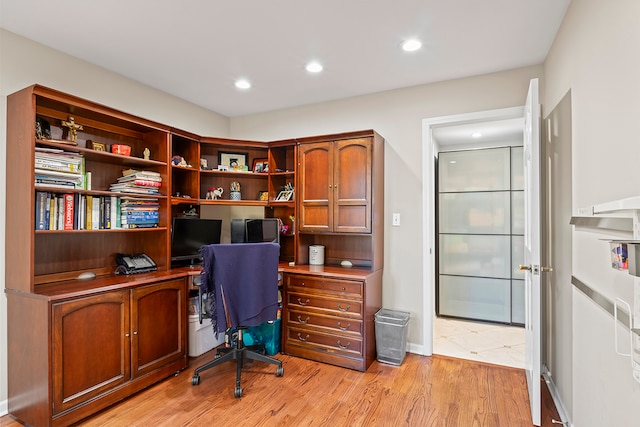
(262, 230)
(188, 235)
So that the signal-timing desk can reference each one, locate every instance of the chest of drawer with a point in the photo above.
(331, 324)
(310, 284)
(324, 304)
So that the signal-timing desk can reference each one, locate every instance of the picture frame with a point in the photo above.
(263, 196)
(234, 161)
(284, 196)
(97, 146)
(258, 165)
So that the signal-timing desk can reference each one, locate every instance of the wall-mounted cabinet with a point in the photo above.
(340, 197)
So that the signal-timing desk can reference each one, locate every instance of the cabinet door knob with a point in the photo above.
(135, 332)
(304, 303)
(301, 338)
(126, 335)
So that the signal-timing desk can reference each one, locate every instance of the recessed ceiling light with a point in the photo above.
(314, 67)
(476, 135)
(411, 45)
(243, 84)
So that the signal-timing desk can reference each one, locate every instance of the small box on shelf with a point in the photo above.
(619, 255)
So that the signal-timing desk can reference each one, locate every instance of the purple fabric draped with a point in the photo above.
(247, 275)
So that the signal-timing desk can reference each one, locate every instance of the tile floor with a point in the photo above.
(484, 342)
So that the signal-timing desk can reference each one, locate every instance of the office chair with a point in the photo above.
(241, 284)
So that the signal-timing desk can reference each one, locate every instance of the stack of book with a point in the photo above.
(137, 212)
(59, 169)
(138, 182)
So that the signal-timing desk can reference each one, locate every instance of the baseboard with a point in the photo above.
(562, 411)
(4, 407)
(416, 349)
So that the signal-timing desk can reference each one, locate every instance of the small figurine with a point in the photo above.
(180, 161)
(146, 153)
(217, 193)
(73, 129)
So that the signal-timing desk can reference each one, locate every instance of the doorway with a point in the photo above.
(498, 128)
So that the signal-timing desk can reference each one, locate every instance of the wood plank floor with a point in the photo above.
(423, 391)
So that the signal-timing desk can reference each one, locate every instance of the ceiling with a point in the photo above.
(196, 49)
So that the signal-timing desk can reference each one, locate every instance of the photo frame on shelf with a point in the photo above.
(258, 165)
(284, 196)
(263, 196)
(233, 161)
(98, 146)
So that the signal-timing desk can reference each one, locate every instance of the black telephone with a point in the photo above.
(131, 264)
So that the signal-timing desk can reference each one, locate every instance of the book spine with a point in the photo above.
(60, 213)
(68, 212)
(89, 212)
(41, 201)
(114, 213)
(47, 211)
(95, 213)
(107, 213)
(76, 211)
(53, 216)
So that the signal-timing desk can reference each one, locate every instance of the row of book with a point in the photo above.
(59, 169)
(74, 211)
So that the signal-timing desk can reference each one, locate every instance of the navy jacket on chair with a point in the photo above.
(247, 275)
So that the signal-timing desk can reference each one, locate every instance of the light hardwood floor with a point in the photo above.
(423, 391)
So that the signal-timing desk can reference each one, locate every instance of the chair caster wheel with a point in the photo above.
(237, 392)
(279, 371)
(195, 380)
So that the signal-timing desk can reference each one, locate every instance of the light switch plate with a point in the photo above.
(396, 220)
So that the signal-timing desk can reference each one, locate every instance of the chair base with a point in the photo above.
(240, 354)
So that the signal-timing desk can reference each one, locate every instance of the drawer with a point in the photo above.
(324, 304)
(328, 343)
(334, 324)
(300, 283)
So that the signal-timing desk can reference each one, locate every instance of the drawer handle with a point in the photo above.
(303, 303)
(345, 327)
(344, 309)
(344, 347)
(303, 321)
(305, 338)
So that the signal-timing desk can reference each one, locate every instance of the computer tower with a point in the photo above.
(238, 231)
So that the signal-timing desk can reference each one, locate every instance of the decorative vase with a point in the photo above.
(235, 195)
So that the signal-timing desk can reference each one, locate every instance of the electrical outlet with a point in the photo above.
(396, 220)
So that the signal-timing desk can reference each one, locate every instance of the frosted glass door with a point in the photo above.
(480, 234)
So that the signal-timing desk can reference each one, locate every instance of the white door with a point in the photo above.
(532, 247)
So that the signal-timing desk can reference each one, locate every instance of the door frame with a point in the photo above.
(430, 150)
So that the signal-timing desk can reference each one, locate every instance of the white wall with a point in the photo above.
(397, 115)
(595, 55)
(23, 63)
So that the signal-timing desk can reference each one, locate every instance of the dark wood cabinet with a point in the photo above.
(157, 325)
(91, 348)
(335, 180)
(329, 309)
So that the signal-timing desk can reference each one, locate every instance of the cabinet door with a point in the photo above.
(157, 325)
(352, 186)
(316, 184)
(91, 347)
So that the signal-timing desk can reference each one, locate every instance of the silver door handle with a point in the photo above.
(528, 268)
